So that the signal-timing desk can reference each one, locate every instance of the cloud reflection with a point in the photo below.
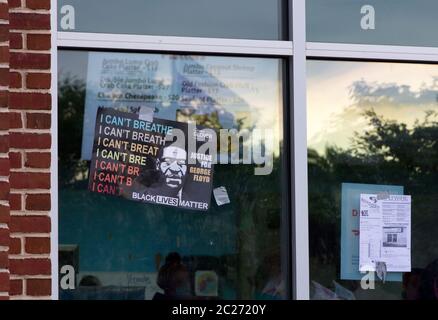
(339, 93)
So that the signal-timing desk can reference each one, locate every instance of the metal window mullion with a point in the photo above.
(177, 44)
(367, 52)
(300, 224)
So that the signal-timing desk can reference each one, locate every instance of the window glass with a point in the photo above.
(372, 128)
(121, 249)
(389, 22)
(242, 19)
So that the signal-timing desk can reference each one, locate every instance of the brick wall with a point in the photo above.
(4, 148)
(25, 141)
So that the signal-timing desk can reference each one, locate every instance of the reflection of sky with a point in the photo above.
(339, 91)
(398, 22)
(252, 19)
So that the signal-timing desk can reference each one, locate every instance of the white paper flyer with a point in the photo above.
(385, 232)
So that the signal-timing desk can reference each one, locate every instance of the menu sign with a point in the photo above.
(235, 91)
(139, 160)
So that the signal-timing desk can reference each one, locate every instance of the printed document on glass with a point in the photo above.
(385, 232)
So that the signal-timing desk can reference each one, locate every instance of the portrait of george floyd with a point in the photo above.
(173, 168)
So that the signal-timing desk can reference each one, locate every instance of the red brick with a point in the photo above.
(15, 40)
(29, 266)
(4, 76)
(15, 201)
(22, 60)
(38, 120)
(15, 80)
(15, 120)
(4, 190)
(4, 32)
(4, 260)
(4, 214)
(29, 224)
(4, 96)
(32, 101)
(16, 287)
(39, 202)
(14, 3)
(38, 287)
(15, 160)
(4, 11)
(4, 143)
(4, 166)
(29, 180)
(40, 160)
(29, 21)
(37, 245)
(39, 41)
(4, 121)
(15, 246)
(4, 282)
(38, 80)
(4, 237)
(29, 140)
(4, 54)
(38, 4)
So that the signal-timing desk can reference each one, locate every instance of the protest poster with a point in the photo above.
(144, 161)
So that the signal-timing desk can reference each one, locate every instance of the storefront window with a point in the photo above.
(372, 127)
(117, 247)
(233, 19)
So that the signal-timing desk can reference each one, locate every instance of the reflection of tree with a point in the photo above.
(71, 97)
(257, 203)
(387, 152)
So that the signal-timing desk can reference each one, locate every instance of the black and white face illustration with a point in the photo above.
(173, 166)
